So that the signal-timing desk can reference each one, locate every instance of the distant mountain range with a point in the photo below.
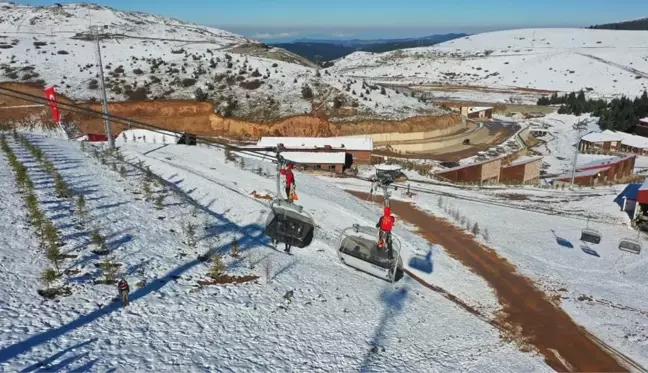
(634, 25)
(327, 50)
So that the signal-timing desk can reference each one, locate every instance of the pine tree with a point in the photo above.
(190, 234)
(217, 268)
(98, 240)
(475, 229)
(146, 189)
(54, 255)
(51, 235)
(81, 207)
(48, 277)
(235, 248)
(159, 201)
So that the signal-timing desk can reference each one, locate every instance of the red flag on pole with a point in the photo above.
(51, 97)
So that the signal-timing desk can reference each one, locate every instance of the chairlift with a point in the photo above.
(358, 248)
(590, 235)
(289, 224)
(631, 245)
(387, 173)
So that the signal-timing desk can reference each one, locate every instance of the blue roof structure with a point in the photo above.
(630, 192)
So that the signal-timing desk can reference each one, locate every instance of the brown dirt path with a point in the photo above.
(528, 315)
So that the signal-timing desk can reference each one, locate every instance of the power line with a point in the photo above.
(259, 152)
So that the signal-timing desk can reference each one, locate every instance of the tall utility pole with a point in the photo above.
(104, 100)
(581, 125)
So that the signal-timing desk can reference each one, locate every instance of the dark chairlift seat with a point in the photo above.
(590, 235)
(187, 139)
(630, 245)
(289, 224)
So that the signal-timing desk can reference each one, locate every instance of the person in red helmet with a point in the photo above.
(386, 224)
(290, 181)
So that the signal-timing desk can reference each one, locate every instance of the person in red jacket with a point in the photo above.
(386, 224)
(290, 180)
(124, 289)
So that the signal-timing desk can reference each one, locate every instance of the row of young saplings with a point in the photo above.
(462, 220)
(217, 269)
(48, 236)
(63, 191)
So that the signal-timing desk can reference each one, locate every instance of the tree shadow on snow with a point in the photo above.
(45, 366)
(562, 241)
(394, 301)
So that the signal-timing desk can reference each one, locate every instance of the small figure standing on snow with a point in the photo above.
(123, 288)
(386, 224)
(290, 182)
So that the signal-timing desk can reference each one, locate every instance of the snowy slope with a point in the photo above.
(602, 290)
(333, 319)
(147, 56)
(609, 62)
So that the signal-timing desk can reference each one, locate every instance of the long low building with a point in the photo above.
(314, 161)
(487, 171)
(525, 170)
(358, 149)
(600, 171)
(614, 141)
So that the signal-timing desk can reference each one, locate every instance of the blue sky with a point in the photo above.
(291, 19)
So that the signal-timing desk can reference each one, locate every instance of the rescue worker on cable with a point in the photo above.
(386, 223)
(290, 182)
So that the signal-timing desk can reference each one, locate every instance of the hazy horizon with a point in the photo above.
(283, 34)
(286, 20)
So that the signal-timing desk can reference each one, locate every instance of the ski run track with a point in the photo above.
(306, 312)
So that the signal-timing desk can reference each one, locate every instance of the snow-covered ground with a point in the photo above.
(607, 61)
(539, 230)
(330, 323)
(147, 56)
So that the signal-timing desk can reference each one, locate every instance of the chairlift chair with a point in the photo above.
(590, 235)
(630, 245)
(387, 173)
(358, 248)
(288, 223)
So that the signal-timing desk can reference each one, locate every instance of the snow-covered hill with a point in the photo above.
(603, 61)
(147, 57)
(307, 312)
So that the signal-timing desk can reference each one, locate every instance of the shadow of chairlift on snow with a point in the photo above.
(422, 261)
(562, 241)
(394, 303)
(588, 250)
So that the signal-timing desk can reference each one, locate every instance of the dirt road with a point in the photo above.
(528, 315)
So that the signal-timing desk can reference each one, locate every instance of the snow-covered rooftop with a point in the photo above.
(584, 173)
(388, 167)
(477, 109)
(601, 137)
(469, 165)
(312, 157)
(348, 143)
(523, 160)
(626, 139)
(602, 163)
(644, 120)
